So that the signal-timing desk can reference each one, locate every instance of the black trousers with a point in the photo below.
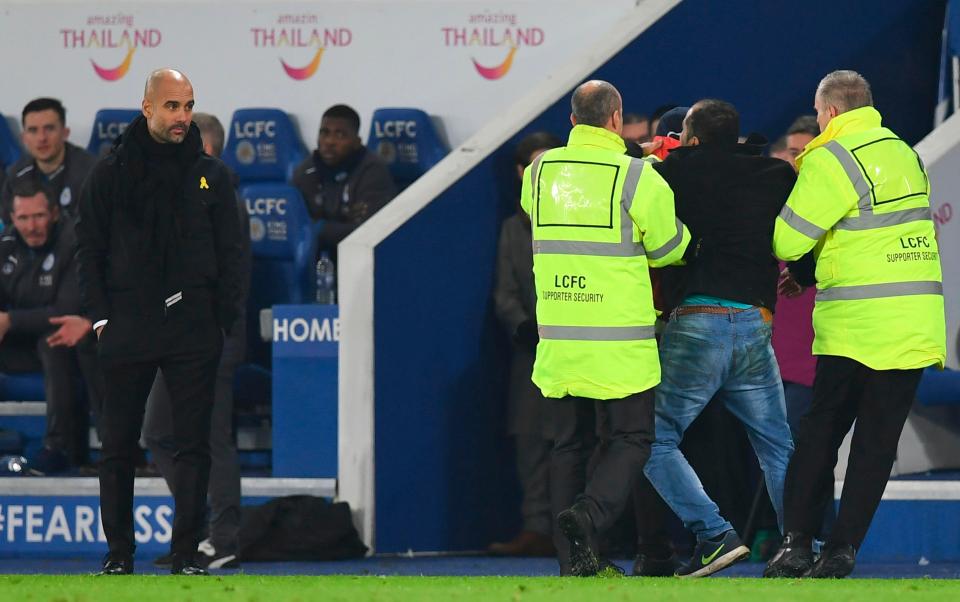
(571, 425)
(190, 376)
(224, 487)
(845, 390)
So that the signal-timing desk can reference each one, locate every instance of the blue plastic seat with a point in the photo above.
(263, 145)
(22, 387)
(108, 124)
(408, 141)
(283, 241)
(9, 144)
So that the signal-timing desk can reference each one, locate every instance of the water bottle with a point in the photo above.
(14, 465)
(326, 283)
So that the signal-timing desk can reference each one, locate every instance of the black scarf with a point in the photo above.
(153, 184)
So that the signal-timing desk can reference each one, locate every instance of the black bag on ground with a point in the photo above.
(299, 527)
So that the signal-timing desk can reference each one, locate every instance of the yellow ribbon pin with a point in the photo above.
(203, 183)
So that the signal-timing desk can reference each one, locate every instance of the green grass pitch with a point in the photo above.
(252, 588)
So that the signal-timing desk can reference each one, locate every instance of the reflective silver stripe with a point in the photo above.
(849, 165)
(601, 249)
(534, 168)
(801, 225)
(631, 182)
(597, 333)
(670, 245)
(625, 248)
(878, 291)
(870, 221)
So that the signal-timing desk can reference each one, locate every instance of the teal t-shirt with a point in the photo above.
(708, 300)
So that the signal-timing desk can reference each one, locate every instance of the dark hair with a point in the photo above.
(346, 113)
(779, 145)
(594, 102)
(44, 104)
(27, 186)
(212, 130)
(629, 118)
(532, 142)
(714, 122)
(804, 124)
(659, 111)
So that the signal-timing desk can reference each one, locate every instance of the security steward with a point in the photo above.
(599, 220)
(861, 203)
(38, 286)
(159, 256)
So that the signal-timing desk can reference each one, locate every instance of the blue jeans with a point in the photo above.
(701, 355)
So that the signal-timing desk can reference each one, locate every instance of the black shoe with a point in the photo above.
(577, 527)
(210, 558)
(835, 562)
(117, 565)
(793, 559)
(712, 555)
(163, 562)
(48, 462)
(647, 565)
(188, 565)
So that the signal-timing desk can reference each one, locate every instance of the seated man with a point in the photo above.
(60, 166)
(342, 183)
(38, 288)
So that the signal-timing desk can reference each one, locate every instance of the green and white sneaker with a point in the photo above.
(712, 555)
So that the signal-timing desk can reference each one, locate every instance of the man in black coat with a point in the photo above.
(159, 256)
(38, 288)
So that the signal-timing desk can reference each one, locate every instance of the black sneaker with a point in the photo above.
(210, 558)
(712, 555)
(116, 565)
(647, 565)
(835, 562)
(793, 559)
(577, 527)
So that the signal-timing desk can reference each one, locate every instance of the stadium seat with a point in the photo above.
(283, 242)
(108, 124)
(22, 387)
(9, 145)
(408, 141)
(939, 387)
(263, 145)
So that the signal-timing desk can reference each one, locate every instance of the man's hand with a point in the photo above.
(4, 324)
(787, 285)
(651, 147)
(72, 329)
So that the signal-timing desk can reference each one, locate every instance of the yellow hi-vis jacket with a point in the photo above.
(861, 201)
(599, 219)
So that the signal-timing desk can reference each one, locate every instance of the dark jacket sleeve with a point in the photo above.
(506, 293)
(374, 189)
(93, 239)
(226, 234)
(6, 196)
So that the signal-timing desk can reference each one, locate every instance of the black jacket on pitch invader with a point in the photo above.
(158, 245)
(38, 283)
(729, 198)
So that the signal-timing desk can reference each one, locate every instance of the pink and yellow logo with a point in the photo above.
(102, 33)
(492, 31)
(301, 32)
